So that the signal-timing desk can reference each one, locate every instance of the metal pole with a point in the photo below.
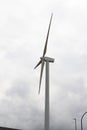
(81, 124)
(47, 97)
(75, 124)
(82, 119)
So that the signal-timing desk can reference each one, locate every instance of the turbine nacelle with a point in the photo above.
(47, 59)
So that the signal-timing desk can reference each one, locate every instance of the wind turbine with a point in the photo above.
(46, 60)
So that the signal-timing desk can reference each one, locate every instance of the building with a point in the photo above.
(7, 128)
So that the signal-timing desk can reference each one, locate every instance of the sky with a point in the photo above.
(23, 29)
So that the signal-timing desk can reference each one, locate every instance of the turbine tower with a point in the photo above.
(46, 60)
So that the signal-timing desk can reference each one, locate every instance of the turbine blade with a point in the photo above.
(41, 73)
(45, 48)
(38, 64)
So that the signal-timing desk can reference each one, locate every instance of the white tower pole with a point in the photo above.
(47, 97)
(47, 110)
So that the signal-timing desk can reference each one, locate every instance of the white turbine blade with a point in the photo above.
(45, 48)
(41, 73)
(38, 64)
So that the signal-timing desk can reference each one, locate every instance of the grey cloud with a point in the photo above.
(20, 89)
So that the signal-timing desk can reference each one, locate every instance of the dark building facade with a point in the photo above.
(6, 128)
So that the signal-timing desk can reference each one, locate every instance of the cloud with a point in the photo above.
(20, 89)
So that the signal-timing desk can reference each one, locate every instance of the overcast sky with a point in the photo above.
(23, 29)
